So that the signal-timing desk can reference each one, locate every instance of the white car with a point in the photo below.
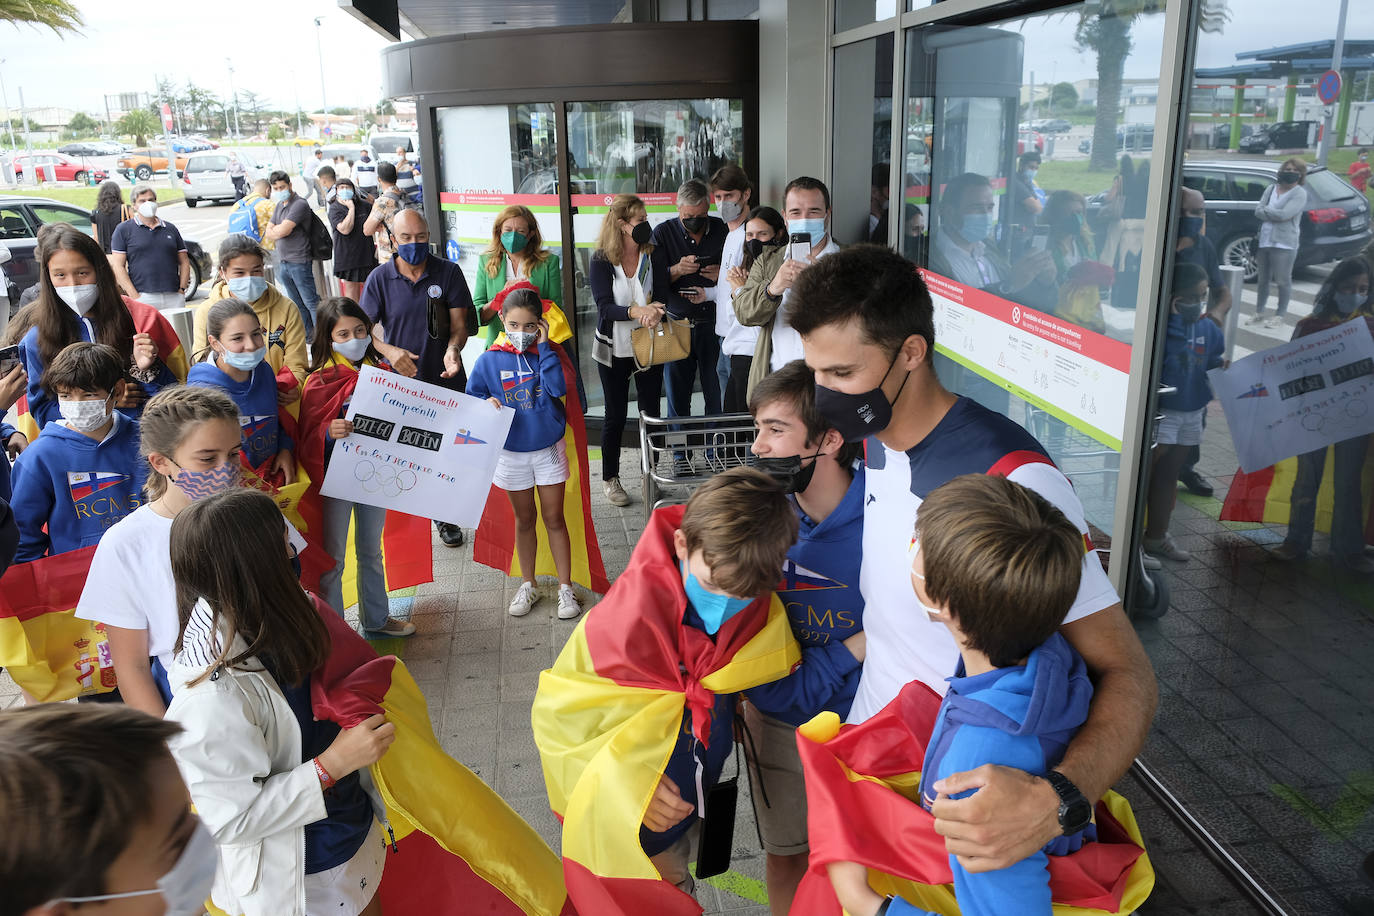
(206, 176)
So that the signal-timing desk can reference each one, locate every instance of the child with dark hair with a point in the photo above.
(999, 566)
(84, 473)
(1192, 346)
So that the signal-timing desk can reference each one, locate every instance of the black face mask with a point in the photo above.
(1287, 177)
(641, 233)
(789, 471)
(858, 416)
(755, 247)
(1190, 227)
(694, 224)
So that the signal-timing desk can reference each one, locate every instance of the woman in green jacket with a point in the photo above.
(516, 252)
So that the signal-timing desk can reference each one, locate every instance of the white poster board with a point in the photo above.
(418, 448)
(1299, 396)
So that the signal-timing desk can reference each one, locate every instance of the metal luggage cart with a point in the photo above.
(678, 454)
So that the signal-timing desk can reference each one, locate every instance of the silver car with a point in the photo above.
(206, 176)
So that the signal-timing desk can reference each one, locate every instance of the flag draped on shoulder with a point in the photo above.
(407, 553)
(459, 848)
(863, 806)
(46, 648)
(494, 544)
(607, 715)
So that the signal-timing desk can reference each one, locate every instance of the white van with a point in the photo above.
(206, 176)
(383, 144)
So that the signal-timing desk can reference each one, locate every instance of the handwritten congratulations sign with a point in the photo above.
(1299, 396)
(417, 448)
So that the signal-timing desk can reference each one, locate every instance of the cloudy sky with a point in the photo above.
(267, 40)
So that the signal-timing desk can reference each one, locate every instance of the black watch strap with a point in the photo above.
(1075, 812)
(886, 905)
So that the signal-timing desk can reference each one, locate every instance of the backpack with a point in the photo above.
(321, 242)
(244, 219)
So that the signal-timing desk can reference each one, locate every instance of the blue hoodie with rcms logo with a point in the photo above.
(1023, 717)
(532, 384)
(76, 486)
(257, 404)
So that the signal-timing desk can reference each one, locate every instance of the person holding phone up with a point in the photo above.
(762, 301)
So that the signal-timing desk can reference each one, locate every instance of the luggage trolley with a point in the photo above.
(678, 454)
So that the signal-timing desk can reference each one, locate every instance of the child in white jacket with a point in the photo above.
(288, 798)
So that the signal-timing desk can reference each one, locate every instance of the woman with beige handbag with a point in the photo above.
(621, 281)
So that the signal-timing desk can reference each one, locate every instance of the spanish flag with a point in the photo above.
(459, 848)
(1265, 495)
(863, 806)
(494, 544)
(407, 550)
(608, 713)
(49, 651)
(147, 320)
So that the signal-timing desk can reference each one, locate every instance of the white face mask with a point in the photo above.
(148, 209)
(186, 887)
(353, 350)
(80, 297)
(84, 416)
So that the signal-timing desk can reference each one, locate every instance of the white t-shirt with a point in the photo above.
(787, 343)
(903, 644)
(731, 256)
(130, 583)
(629, 292)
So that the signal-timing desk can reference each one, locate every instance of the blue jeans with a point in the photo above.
(680, 377)
(1347, 534)
(722, 368)
(298, 277)
(373, 605)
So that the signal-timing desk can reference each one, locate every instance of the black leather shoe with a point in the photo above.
(1194, 482)
(451, 535)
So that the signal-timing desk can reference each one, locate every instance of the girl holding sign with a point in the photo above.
(342, 345)
(522, 371)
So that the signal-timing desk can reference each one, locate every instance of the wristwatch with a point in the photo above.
(1075, 812)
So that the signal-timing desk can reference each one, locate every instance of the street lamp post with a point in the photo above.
(234, 97)
(320, 54)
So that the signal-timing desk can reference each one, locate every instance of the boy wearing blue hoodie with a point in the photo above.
(84, 473)
(999, 566)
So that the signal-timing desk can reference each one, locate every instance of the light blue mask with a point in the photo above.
(246, 361)
(280, 195)
(345, 194)
(977, 226)
(249, 289)
(814, 227)
(713, 609)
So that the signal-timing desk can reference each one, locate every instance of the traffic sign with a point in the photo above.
(166, 116)
(1329, 87)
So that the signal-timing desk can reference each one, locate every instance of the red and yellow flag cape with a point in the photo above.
(147, 320)
(1266, 495)
(494, 545)
(460, 849)
(49, 651)
(862, 806)
(407, 552)
(607, 715)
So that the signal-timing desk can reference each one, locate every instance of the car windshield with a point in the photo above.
(208, 164)
(387, 143)
(1328, 186)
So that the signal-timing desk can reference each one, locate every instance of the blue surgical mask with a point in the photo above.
(1346, 303)
(413, 253)
(814, 227)
(977, 226)
(249, 289)
(246, 361)
(280, 195)
(345, 194)
(713, 609)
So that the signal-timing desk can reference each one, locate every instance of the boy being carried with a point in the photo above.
(633, 722)
(999, 566)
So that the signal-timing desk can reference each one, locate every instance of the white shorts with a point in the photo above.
(1179, 427)
(522, 470)
(347, 889)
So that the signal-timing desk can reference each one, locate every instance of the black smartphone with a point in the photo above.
(706, 260)
(9, 358)
(718, 829)
(799, 246)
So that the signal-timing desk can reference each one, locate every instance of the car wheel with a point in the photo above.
(79, 177)
(191, 201)
(195, 281)
(143, 173)
(1239, 251)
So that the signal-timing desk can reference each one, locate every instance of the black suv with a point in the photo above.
(1282, 135)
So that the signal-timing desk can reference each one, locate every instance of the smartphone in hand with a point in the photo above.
(799, 246)
(9, 358)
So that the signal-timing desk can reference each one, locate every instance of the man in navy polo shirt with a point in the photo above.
(686, 261)
(148, 256)
(419, 305)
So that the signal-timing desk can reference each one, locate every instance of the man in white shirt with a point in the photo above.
(311, 173)
(867, 326)
(731, 191)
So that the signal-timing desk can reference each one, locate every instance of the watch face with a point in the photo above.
(1075, 815)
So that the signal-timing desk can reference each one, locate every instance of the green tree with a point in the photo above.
(82, 125)
(139, 124)
(250, 109)
(1105, 29)
(386, 108)
(1063, 97)
(275, 134)
(58, 15)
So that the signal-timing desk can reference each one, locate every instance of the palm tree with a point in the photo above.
(139, 123)
(58, 15)
(1105, 28)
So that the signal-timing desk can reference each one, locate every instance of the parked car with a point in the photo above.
(1221, 134)
(1051, 125)
(20, 218)
(203, 142)
(64, 167)
(1281, 135)
(206, 176)
(84, 148)
(384, 145)
(140, 164)
(1130, 138)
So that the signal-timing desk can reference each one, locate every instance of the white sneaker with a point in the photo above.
(1275, 322)
(615, 493)
(524, 599)
(1166, 549)
(1257, 318)
(568, 605)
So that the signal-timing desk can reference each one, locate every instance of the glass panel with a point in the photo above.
(1264, 725)
(853, 13)
(861, 166)
(81, 219)
(646, 148)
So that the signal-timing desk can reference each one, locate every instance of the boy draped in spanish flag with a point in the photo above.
(634, 720)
